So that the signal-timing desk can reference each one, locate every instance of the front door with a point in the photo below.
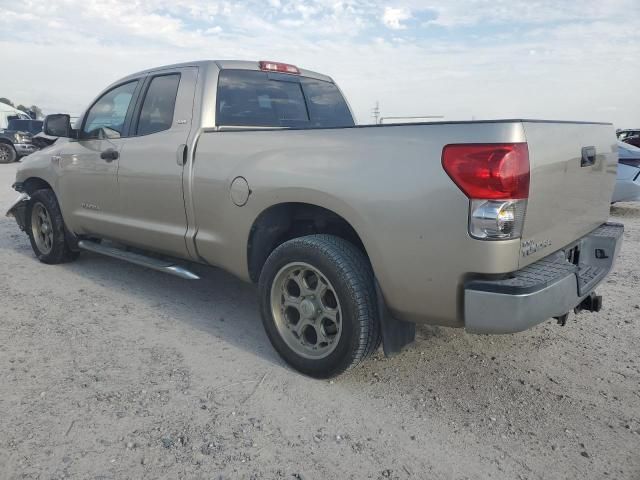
(88, 189)
(152, 209)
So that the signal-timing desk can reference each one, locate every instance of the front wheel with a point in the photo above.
(318, 304)
(45, 228)
(8, 154)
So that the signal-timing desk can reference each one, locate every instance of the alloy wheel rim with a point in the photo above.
(42, 228)
(4, 153)
(306, 310)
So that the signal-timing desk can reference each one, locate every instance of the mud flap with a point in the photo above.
(19, 210)
(396, 334)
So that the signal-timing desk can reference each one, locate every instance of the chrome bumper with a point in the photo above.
(18, 210)
(23, 149)
(548, 288)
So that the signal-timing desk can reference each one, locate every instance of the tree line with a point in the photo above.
(37, 111)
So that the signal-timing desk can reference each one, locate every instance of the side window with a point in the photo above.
(250, 98)
(109, 112)
(156, 114)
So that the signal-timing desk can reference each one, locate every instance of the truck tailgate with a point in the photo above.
(568, 196)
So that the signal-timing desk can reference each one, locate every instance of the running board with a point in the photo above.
(165, 266)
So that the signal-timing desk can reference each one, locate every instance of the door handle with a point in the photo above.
(109, 155)
(181, 155)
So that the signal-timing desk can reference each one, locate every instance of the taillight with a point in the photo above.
(489, 171)
(279, 67)
(495, 178)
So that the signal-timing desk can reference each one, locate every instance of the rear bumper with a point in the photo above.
(547, 288)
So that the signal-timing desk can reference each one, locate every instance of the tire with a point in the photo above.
(45, 227)
(8, 154)
(340, 305)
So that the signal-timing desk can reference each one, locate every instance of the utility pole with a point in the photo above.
(376, 112)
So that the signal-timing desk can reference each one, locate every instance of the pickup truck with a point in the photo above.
(353, 234)
(17, 139)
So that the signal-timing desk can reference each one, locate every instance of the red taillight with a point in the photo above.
(496, 171)
(279, 67)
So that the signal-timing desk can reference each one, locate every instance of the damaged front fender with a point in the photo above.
(19, 210)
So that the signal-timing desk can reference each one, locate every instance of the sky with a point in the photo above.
(463, 59)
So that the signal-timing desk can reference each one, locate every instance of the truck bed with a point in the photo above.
(388, 183)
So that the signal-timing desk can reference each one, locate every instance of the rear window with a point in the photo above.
(262, 99)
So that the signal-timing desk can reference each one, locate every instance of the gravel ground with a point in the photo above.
(109, 370)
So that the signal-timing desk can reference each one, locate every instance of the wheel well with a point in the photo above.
(285, 221)
(7, 141)
(32, 184)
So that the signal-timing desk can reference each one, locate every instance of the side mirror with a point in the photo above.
(57, 125)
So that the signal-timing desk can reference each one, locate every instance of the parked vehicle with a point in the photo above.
(16, 139)
(630, 136)
(628, 132)
(7, 112)
(635, 141)
(628, 182)
(352, 233)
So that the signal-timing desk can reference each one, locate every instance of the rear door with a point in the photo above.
(151, 210)
(573, 172)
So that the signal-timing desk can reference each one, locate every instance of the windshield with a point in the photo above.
(628, 133)
(260, 99)
(31, 126)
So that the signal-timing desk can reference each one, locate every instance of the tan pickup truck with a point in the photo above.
(353, 233)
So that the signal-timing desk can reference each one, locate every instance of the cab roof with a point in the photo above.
(226, 65)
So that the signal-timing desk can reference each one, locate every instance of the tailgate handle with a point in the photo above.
(588, 156)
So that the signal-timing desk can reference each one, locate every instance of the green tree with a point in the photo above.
(22, 108)
(37, 111)
(6, 100)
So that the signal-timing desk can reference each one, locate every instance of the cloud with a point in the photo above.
(393, 17)
(463, 59)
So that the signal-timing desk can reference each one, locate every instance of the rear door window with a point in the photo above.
(159, 104)
(260, 99)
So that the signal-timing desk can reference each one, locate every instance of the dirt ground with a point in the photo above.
(109, 371)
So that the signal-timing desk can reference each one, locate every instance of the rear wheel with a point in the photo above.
(45, 228)
(7, 153)
(318, 304)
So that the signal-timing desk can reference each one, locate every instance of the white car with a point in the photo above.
(8, 112)
(628, 182)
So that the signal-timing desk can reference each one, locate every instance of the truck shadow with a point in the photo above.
(218, 304)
